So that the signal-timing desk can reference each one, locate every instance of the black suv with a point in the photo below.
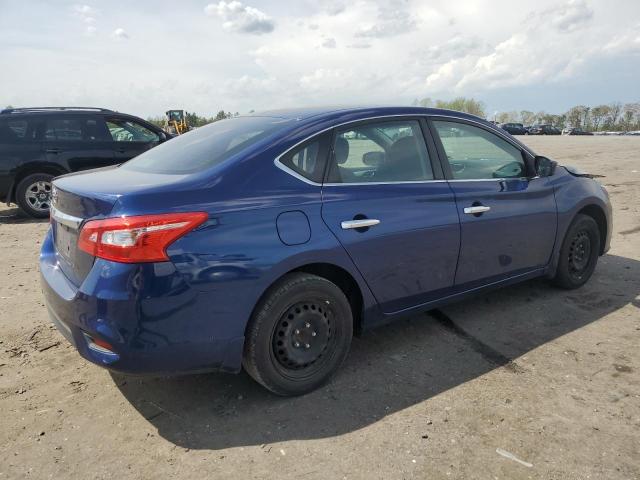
(514, 128)
(38, 144)
(544, 130)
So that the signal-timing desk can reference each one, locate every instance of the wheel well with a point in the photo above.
(598, 215)
(29, 170)
(345, 281)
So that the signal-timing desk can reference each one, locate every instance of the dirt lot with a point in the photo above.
(551, 377)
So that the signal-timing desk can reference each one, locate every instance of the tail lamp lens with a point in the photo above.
(137, 239)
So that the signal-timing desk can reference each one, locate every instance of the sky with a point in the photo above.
(146, 57)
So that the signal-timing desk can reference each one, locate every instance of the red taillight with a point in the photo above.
(137, 239)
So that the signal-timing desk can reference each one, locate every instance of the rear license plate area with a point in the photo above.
(65, 240)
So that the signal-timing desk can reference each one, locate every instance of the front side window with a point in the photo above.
(380, 152)
(127, 131)
(476, 154)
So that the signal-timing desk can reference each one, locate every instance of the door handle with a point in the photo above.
(362, 223)
(476, 209)
(53, 150)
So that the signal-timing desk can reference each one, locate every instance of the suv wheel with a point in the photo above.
(33, 194)
(579, 253)
(299, 334)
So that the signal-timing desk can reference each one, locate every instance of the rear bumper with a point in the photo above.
(153, 320)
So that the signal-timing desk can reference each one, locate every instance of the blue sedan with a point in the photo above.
(266, 241)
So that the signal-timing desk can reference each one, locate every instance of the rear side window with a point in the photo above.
(14, 130)
(207, 146)
(77, 129)
(310, 159)
(380, 152)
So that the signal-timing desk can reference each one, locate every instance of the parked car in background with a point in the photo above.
(543, 130)
(38, 144)
(266, 241)
(514, 128)
(575, 131)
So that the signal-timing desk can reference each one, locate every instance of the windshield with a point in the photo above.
(206, 146)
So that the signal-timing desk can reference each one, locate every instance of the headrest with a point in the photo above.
(341, 150)
(403, 148)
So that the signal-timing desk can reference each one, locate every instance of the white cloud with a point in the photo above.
(552, 45)
(329, 43)
(120, 34)
(624, 43)
(240, 18)
(569, 16)
(390, 22)
(335, 8)
(386, 51)
(88, 16)
(456, 47)
(84, 10)
(359, 45)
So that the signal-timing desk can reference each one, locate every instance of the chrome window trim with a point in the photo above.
(65, 219)
(383, 183)
(296, 175)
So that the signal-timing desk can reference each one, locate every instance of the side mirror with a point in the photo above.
(544, 167)
(373, 159)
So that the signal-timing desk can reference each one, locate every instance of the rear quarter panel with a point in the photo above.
(234, 257)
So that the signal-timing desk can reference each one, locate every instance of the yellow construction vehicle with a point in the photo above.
(175, 122)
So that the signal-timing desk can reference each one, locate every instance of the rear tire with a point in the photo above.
(299, 335)
(579, 253)
(33, 194)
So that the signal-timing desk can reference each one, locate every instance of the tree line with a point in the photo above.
(606, 117)
(612, 117)
(195, 120)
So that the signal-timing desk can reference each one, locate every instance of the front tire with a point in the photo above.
(33, 194)
(299, 334)
(579, 253)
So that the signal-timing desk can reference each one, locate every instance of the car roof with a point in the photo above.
(54, 110)
(355, 112)
(321, 118)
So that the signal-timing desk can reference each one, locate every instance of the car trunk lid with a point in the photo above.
(88, 195)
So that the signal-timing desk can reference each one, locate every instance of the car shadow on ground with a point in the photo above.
(13, 215)
(388, 369)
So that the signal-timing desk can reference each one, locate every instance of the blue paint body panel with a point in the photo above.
(190, 313)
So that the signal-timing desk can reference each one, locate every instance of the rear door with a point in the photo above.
(130, 138)
(508, 217)
(385, 201)
(77, 142)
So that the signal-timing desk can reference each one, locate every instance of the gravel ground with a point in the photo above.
(525, 382)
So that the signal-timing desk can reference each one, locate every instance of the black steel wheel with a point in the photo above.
(299, 335)
(579, 253)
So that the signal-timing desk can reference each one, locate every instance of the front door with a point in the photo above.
(130, 138)
(397, 222)
(507, 216)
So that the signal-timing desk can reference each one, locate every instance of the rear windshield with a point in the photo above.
(206, 146)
